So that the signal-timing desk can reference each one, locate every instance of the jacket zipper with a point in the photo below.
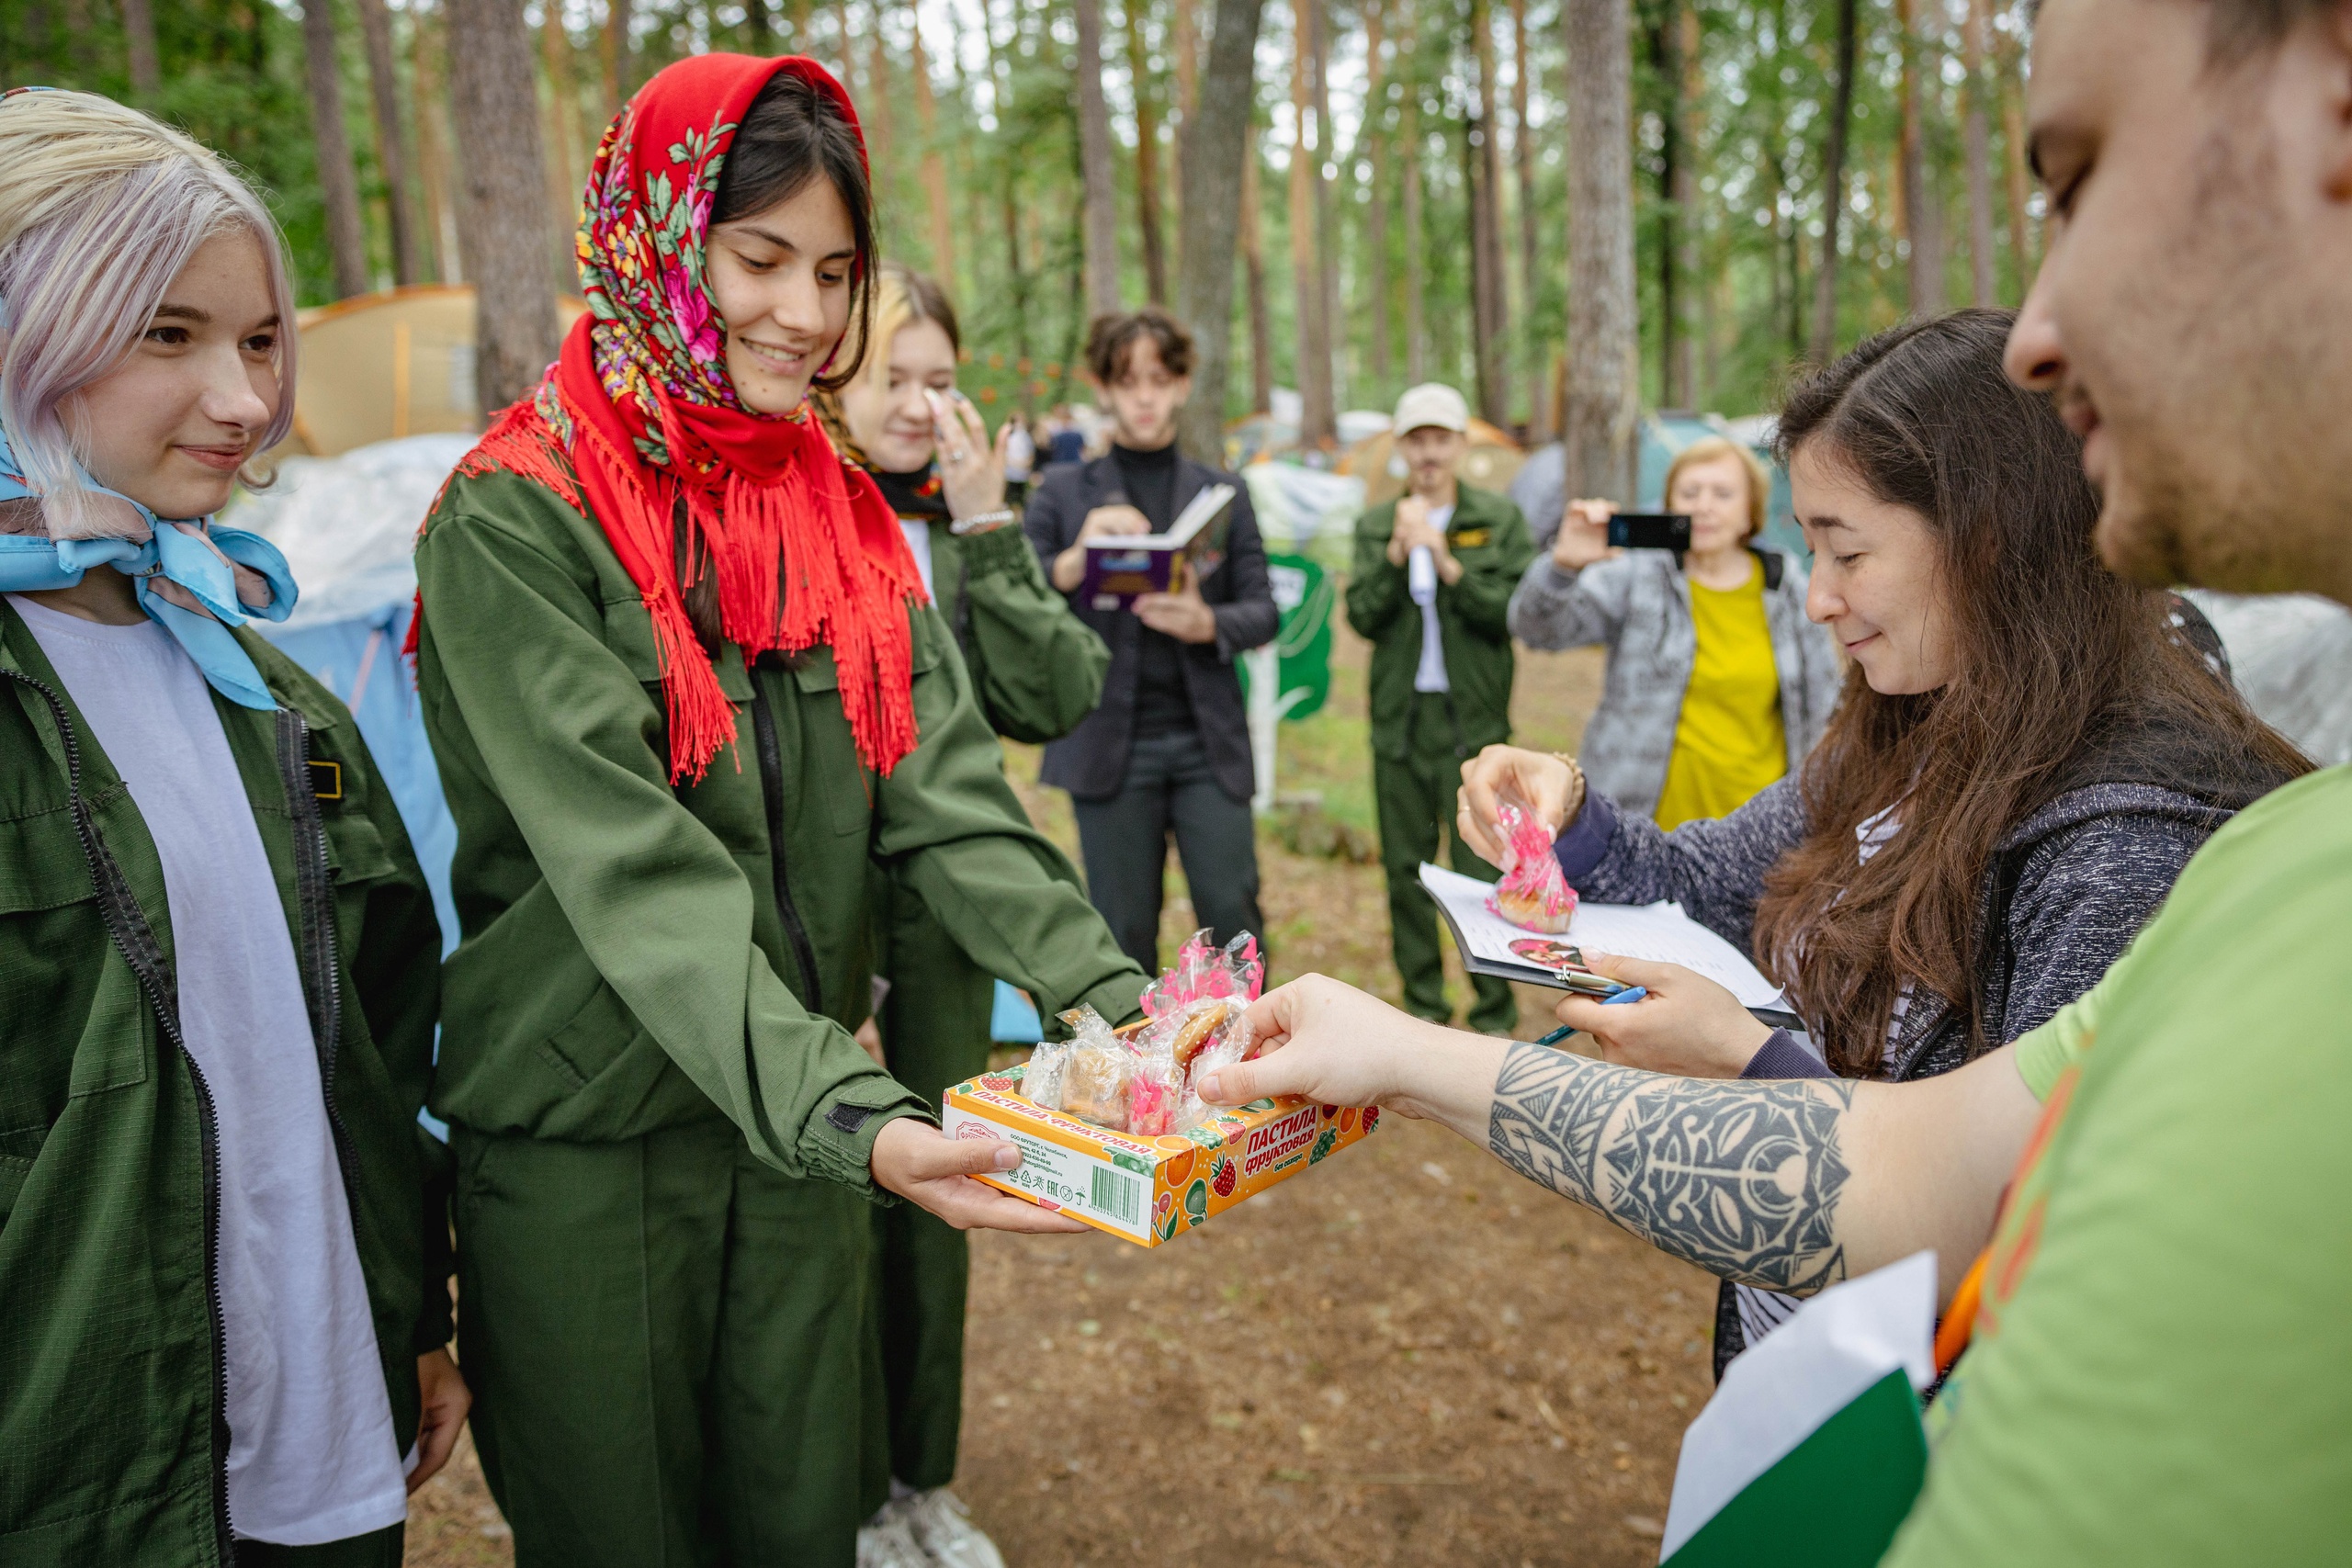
(321, 968)
(772, 792)
(136, 942)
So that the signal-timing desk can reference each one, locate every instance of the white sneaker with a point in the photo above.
(886, 1541)
(944, 1526)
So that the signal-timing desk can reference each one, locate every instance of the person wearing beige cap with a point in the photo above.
(1431, 589)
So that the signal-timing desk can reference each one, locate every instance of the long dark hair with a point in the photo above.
(2057, 661)
(792, 134)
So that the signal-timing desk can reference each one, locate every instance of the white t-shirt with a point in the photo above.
(1420, 581)
(311, 1455)
(918, 534)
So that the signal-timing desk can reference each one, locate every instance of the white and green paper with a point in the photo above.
(1812, 1451)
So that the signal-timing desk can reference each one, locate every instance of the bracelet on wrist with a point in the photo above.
(984, 522)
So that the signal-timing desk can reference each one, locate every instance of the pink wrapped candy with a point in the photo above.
(1533, 894)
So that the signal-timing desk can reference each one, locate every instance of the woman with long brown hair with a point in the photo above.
(2027, 753)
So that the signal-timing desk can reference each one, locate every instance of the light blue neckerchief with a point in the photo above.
(200, 558)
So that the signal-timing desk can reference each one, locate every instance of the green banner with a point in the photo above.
(1304, 593)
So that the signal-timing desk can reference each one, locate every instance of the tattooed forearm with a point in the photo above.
(1741, 1178)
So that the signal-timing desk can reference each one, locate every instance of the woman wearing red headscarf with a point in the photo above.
(685, 687)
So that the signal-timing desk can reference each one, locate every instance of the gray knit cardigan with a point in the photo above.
(1639, 604)
(2067, 889)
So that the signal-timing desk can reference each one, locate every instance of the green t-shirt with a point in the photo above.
(2162, 1370)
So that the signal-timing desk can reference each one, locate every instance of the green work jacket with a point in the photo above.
(1489, 537)
(1035, 668)
(635, 956)
(114, 1436)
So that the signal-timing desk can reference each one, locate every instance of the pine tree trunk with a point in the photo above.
(874, 112)
(139, 40)
(621, 59)
(1154, 260)
(1976, 137)
(1375, 216)
(1489, 318)
(1184, 43)
(1099, 193)
(1602, 404)
(1331, 361)
(1306, 274)
(567, 180)
(1919, 207)
(1001, 85)
(2013, 139)
(1217, 156)
(392, 142)
(1833, 189)
(1417, 272)
(427, 54)
(338, 178)
(934, 163)
(1539, 418)
(1663, 38)
(1687, 89)
(1253, 261)
(501, 206)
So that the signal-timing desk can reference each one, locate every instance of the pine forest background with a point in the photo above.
(1405, 179)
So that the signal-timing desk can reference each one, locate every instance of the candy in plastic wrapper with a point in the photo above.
(1153, 1093)
(1533, 894)
(1049, 1063)
(1094, 1084)
(1224, 1046)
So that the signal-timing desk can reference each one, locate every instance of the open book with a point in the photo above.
(1660, 932)
(1119, 569)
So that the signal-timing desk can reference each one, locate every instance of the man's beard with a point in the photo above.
(2209, 475)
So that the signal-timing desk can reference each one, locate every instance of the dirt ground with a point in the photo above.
(1410, 1356)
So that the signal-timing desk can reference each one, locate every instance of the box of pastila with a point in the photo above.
(1109, 1130)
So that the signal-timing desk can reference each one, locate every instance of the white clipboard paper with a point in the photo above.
(1660, 932)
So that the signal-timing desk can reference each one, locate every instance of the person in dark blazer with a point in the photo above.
(1170, 746)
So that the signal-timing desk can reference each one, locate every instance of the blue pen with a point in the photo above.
(1630, 994)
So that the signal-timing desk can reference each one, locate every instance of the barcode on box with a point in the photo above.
(1115, 1196)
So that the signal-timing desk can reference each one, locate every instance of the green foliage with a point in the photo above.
(1004, 130)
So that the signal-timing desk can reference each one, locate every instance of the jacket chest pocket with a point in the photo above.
(76, 1013)
(831, 763)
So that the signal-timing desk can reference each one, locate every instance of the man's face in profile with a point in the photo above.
(2193, 314)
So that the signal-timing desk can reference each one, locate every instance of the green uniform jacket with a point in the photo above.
(1489, 537)
(1035, 668)
(636, 957)
(113, 1431)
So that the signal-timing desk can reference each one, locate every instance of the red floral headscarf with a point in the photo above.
(640, 416)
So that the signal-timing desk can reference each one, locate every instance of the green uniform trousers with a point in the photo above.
(666, 1345)
(376, 1549)
(935, 1033)
(1415, 794)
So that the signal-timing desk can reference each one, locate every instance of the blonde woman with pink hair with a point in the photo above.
(224, 1287)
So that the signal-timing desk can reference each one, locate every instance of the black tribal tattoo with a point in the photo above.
(1741, 1179)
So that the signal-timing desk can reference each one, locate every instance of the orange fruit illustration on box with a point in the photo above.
(1179, 1165)
(1348, 1120)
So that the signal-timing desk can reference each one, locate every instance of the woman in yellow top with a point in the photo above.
(1717, 682)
